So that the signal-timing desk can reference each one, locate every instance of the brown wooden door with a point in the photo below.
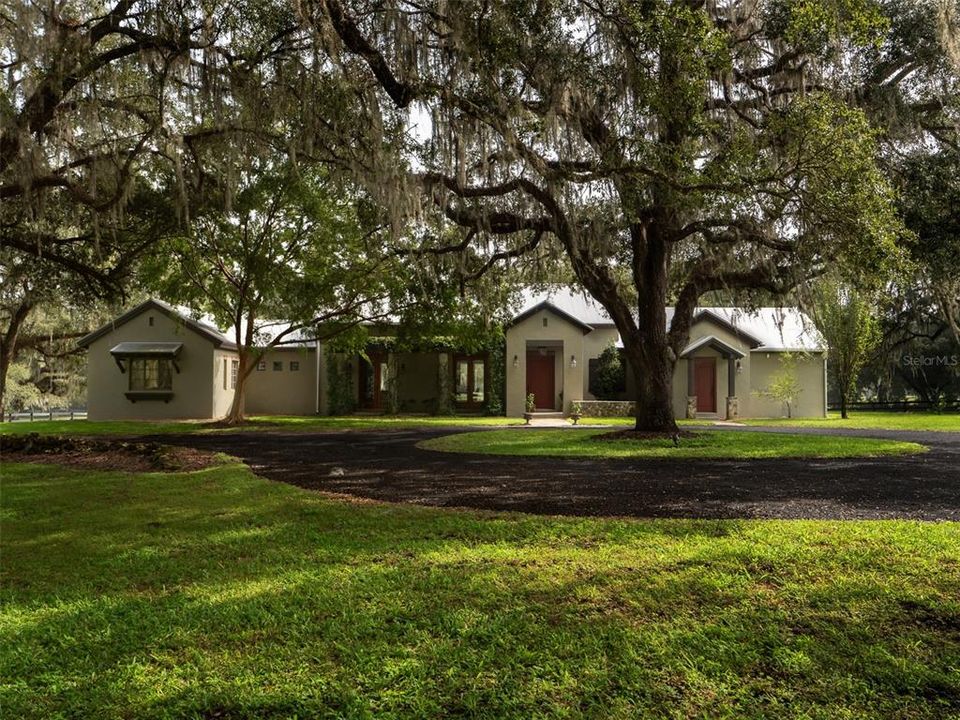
(540, 379)
(373, 381)
(705, 383)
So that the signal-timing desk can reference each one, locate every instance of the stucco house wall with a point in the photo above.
(565, 338)
(192, 386)
(812, 401)
(284, 391)
(756, 367)
(418, 381)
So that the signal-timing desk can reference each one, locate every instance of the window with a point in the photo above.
(261, 366)
(277, 365)
(294, 365)
(546, 321)
(150, 321)
(469, 380)
(234, 372)
(150, 374)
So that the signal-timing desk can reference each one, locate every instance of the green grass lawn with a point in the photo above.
(271, 422)
(218, 594)
(863, 420)
(886, 420)
(874, 420)
(710, 444)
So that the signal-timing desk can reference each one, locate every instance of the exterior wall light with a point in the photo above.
(739, 367)
(516, 361)
(573, 361)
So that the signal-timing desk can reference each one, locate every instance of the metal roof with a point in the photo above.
(574, 304)
(547, 305)
(765, 329)
(207, 331)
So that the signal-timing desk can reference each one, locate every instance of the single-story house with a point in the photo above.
(154, 362)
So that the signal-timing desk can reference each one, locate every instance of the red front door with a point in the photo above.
(540, 378)
(705, 383)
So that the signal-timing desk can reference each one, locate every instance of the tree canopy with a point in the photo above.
(293, 259)
(671, 149)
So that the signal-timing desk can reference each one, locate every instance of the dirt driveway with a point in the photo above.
(387, 465)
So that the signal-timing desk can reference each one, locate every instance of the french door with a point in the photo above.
(470, 381)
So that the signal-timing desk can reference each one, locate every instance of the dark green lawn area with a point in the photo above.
(218, 594)
(730, 444)
(860, 420)
(874, 420)
(300, 423)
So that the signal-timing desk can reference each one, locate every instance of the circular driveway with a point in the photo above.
(387, 465)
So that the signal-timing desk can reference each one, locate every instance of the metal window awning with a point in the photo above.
(126, 350)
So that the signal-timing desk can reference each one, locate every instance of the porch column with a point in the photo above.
(691, 397)
(444, 392)
(733, 403)
(393, 384)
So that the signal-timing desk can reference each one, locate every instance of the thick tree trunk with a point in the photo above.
(843, 405)
(8, 349)
(646, 342)
(648, 349)
(654, 399)
(5, 360)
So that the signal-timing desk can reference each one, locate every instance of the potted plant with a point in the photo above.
(531, 407)
(576, 411)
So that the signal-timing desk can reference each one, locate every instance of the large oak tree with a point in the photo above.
(671, 148)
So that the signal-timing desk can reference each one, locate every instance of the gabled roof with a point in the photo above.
(776, 328)
(550, 307)
(764, 329)
(565, 302)
(207, 331)
(712, 341)
(710, 315)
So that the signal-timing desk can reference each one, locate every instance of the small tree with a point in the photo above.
(289, 259)
(849, 322)
(784, 385)
(609, 375)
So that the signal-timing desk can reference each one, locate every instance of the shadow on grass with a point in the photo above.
(218, 594)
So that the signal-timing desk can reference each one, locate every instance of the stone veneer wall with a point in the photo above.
(606, 408)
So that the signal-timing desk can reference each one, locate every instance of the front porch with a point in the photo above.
(429, 382)
(705, 360)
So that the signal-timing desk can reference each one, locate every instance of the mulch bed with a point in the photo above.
(645, 435)
(223, 425)
(97, 454)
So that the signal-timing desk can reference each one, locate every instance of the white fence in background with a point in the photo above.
(32, 415)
